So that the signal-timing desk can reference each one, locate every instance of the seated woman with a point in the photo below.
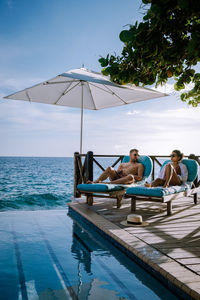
(173, 173)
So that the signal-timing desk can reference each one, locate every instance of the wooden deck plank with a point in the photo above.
(177, 237)
(189, 261)
(165, 233)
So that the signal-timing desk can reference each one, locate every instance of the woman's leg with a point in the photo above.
(156, 182)
(171, 177)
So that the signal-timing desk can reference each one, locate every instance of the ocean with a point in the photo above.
(35, 182)
(30, 183)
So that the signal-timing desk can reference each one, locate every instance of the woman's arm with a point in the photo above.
(162, 172)
(184, 173)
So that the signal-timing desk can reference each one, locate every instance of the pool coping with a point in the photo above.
(181, 281)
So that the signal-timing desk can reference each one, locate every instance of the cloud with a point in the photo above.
(10, 3)
(118, 147)
(54, 130)
(168, 88)
(10, 84)
(24, 116)
(151, 131)
(133, 112)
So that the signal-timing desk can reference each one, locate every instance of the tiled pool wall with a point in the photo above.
(177, 291)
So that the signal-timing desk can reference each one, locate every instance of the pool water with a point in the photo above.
(46, 254)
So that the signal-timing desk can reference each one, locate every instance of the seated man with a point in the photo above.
(126, 173)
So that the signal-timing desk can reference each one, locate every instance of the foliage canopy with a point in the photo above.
(166, 44)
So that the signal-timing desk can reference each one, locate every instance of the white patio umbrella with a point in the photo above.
(82, 88)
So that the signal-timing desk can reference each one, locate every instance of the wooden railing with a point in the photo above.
(84, 166)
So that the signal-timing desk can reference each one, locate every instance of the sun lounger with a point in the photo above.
(166, 195)
(114, 190)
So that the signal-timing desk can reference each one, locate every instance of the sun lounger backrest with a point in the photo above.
(191, 165)
(143, 159)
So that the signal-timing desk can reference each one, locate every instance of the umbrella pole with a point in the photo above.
(81, 134)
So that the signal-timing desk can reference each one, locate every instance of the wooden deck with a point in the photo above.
(169, 244)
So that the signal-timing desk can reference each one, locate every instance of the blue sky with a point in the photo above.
(40, 39)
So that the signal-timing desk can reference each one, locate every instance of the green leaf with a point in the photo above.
(103, 61)
(106, 71)
(146, 1)
(125, 36)
(179, 86)
(165, 44)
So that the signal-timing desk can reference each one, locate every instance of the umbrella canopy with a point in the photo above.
(82, 88)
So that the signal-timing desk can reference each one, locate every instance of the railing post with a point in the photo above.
(76, 175)
(89, 166)
(193, 156)
(153, 169)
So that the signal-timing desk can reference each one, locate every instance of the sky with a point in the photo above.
(43, 38)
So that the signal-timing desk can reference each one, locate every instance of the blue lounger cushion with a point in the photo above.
(103, 187)
(156, 191)
(99, 187)
(192, 167)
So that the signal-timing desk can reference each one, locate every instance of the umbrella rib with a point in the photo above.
(28, 96)
(113, 93)
(62, 94)
(57, 82)
(91, 95)
(98, 87)
(65, 92)
(109, 91)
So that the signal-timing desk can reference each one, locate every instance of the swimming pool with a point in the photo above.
(49, 255)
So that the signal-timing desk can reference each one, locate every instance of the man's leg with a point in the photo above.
(124, 180)
(108, 173)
